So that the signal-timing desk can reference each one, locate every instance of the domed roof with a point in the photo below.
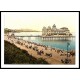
(44, 27)
(54, 25)
(49, 27)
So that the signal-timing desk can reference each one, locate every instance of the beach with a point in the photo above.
(51, 55)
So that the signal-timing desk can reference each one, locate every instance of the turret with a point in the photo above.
(44, 30)
(54, 26)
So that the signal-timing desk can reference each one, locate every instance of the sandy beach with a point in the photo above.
(51, 55)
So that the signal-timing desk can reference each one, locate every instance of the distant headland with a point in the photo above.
(19, 30)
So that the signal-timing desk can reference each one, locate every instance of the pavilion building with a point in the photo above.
(52, 33)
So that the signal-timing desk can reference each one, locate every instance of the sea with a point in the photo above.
(54, 44)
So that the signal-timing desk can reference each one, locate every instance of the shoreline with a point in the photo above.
(57, 54)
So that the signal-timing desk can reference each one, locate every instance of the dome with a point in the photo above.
(44, 27)
(49, 27)
(54, 26)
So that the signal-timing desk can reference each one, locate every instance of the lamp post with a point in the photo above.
(67, 50)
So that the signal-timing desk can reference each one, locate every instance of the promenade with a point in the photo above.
(51, 55)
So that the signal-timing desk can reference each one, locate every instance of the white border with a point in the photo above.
(39, 66)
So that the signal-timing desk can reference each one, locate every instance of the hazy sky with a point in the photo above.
(36, 20)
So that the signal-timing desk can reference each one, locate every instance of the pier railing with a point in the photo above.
(30, 36)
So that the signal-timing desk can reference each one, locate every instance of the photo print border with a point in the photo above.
(31, 66)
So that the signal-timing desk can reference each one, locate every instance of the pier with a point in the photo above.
(30, 36)
(50, 37)
(58, 38)
(53, 33)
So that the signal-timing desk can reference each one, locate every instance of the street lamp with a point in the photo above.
(67, 50)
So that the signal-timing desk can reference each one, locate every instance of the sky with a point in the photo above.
(36, 20)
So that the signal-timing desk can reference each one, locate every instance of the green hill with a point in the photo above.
(14, 55)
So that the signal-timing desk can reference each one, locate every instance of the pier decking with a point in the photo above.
(57, 37)
(30, 36)
(50, 37)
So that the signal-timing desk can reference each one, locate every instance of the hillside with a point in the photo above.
(14, 55)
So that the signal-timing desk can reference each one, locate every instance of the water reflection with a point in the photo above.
(57, 44)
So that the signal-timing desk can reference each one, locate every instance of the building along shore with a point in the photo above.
(56, 34)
